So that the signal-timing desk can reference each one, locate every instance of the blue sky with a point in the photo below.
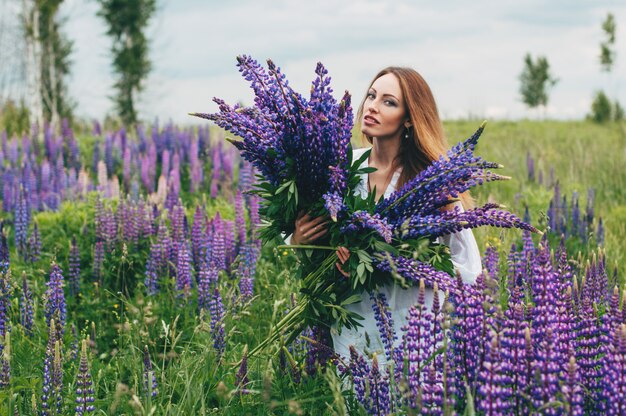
(469, 52)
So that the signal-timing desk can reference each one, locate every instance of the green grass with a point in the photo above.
(192, 379)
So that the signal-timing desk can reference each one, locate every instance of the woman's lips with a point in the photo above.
(369, 120)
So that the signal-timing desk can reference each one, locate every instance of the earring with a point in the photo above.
(406, 132)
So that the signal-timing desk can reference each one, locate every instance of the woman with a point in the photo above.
(399, 118)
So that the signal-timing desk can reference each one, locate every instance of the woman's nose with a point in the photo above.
(371, 106)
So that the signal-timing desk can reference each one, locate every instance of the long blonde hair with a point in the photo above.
(426, 140)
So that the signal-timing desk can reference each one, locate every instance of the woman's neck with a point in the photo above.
(384, 152)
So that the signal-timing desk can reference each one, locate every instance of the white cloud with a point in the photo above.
(470, 55)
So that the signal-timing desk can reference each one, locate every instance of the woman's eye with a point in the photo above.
(371, 95)
(390, 102)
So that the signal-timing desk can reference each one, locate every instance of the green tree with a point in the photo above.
(601, 108)
(127, 21)
(535, 81)
(607, 48)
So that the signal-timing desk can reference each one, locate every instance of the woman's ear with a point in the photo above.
(407, 124)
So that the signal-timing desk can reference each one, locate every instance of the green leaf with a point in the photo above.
(360, 270)
(283, 187)
(352, 299)
(362, 159)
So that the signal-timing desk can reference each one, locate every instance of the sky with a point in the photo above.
(470, 53)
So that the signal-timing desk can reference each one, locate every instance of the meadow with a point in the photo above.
(108, 304)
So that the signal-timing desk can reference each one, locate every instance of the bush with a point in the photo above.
(14, 118)
(603, 110)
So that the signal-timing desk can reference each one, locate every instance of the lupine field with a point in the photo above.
(133, 281)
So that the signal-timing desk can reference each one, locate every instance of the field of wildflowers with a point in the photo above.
(132, 281)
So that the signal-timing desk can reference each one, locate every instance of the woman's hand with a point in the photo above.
(343, 254)
(308, 229)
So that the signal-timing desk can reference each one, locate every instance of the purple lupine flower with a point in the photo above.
(319, 352)
(183, 271)
(589, 211)
(451, 221)
(247, 266)
(246, 175)
(494, 389)
(335, 206)
(52, 392)
(84, 385)
(589, 352)
(150, 387)
(600, 233)
(216, 167)
(74, 344)
(55, 299)
(126, 166)
(572, 391)
(414, 270)
(241, 378)
(198, 237)
(255, 219)
(530, 165)
(240, 221)
(283, 124)
(5, 299)
(548, 368)
(513, 350)
(96, 128)
(216, 309)
(74, 276)
(490, 261)
(98, 261)
(228, 234)
(419, 345)
(153, 266)
(26, 307)
(108, 153)
(5, 363)
(384, 322)
(444, 178)
(468, 325)
(364, 221)
(4, 246)
(379, 400)
(432, 393)
(207, 282)
(544, 286)
(357, 370)
(34, 245)
(22, 221)
(176, 217)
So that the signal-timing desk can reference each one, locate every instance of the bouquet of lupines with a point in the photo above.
(302, 150)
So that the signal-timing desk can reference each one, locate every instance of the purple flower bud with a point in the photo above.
(149, 378)
(55, 307)
(84, 385)
(74, 276)
(5, 299)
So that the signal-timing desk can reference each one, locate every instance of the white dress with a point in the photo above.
(465, 257)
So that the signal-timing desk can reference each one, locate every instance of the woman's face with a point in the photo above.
(384, 114)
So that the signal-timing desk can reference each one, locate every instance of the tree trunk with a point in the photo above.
(52, 73)
(33, 63)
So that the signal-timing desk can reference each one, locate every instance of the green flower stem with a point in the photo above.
(294, 322)
(292, 246)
